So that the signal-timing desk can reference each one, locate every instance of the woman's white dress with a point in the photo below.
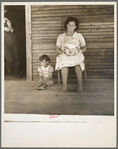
(69, 61)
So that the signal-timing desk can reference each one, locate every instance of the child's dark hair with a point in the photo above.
(44, 57)
(71, 19)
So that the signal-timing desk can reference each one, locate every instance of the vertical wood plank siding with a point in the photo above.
(28, 43)
(96, 25)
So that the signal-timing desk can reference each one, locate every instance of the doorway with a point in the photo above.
(16, 14)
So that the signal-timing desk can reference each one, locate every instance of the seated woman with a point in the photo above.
(64, 60)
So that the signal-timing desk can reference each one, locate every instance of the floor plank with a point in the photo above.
(97, 98)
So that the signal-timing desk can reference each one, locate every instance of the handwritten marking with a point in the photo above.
(53, 116)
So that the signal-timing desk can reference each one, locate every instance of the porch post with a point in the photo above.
(28, 43)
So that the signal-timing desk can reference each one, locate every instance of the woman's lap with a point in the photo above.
(70, 61)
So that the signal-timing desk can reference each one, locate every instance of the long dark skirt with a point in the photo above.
(11, 53)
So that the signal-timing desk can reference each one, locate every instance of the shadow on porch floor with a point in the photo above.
(97, 98)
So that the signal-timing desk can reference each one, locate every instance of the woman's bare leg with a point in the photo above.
(79, 78)
(64, 72)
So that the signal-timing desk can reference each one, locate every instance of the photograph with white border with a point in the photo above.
(58, 91)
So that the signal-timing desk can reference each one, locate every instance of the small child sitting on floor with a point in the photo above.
(45, 73)
(70, 46)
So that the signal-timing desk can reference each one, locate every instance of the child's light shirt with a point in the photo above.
(46, 72)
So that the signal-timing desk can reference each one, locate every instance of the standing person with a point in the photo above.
(45, 73)
(64, 61)
(11, 48)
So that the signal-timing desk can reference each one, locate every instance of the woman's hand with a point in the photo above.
(78, 49)
(64, 50)
(58, 50)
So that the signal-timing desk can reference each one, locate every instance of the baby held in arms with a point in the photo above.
(70, 46)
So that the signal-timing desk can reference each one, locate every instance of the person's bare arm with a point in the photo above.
(9, 25)
(40, 76)
(58, 50)
(83, 49)
(51, 70)
(9, 28)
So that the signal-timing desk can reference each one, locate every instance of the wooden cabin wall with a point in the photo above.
(96, 24)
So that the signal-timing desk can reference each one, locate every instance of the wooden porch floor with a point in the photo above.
(97, 98)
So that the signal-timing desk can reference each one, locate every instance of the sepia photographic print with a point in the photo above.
(59, 62)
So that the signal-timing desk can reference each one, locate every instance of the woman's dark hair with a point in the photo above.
(44, 57)
(71, 19)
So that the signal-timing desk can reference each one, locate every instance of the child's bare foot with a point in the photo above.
(64, 89)
(40, 88)
(79, 90)
(38, 85)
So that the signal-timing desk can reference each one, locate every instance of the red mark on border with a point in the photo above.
(53, 116)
